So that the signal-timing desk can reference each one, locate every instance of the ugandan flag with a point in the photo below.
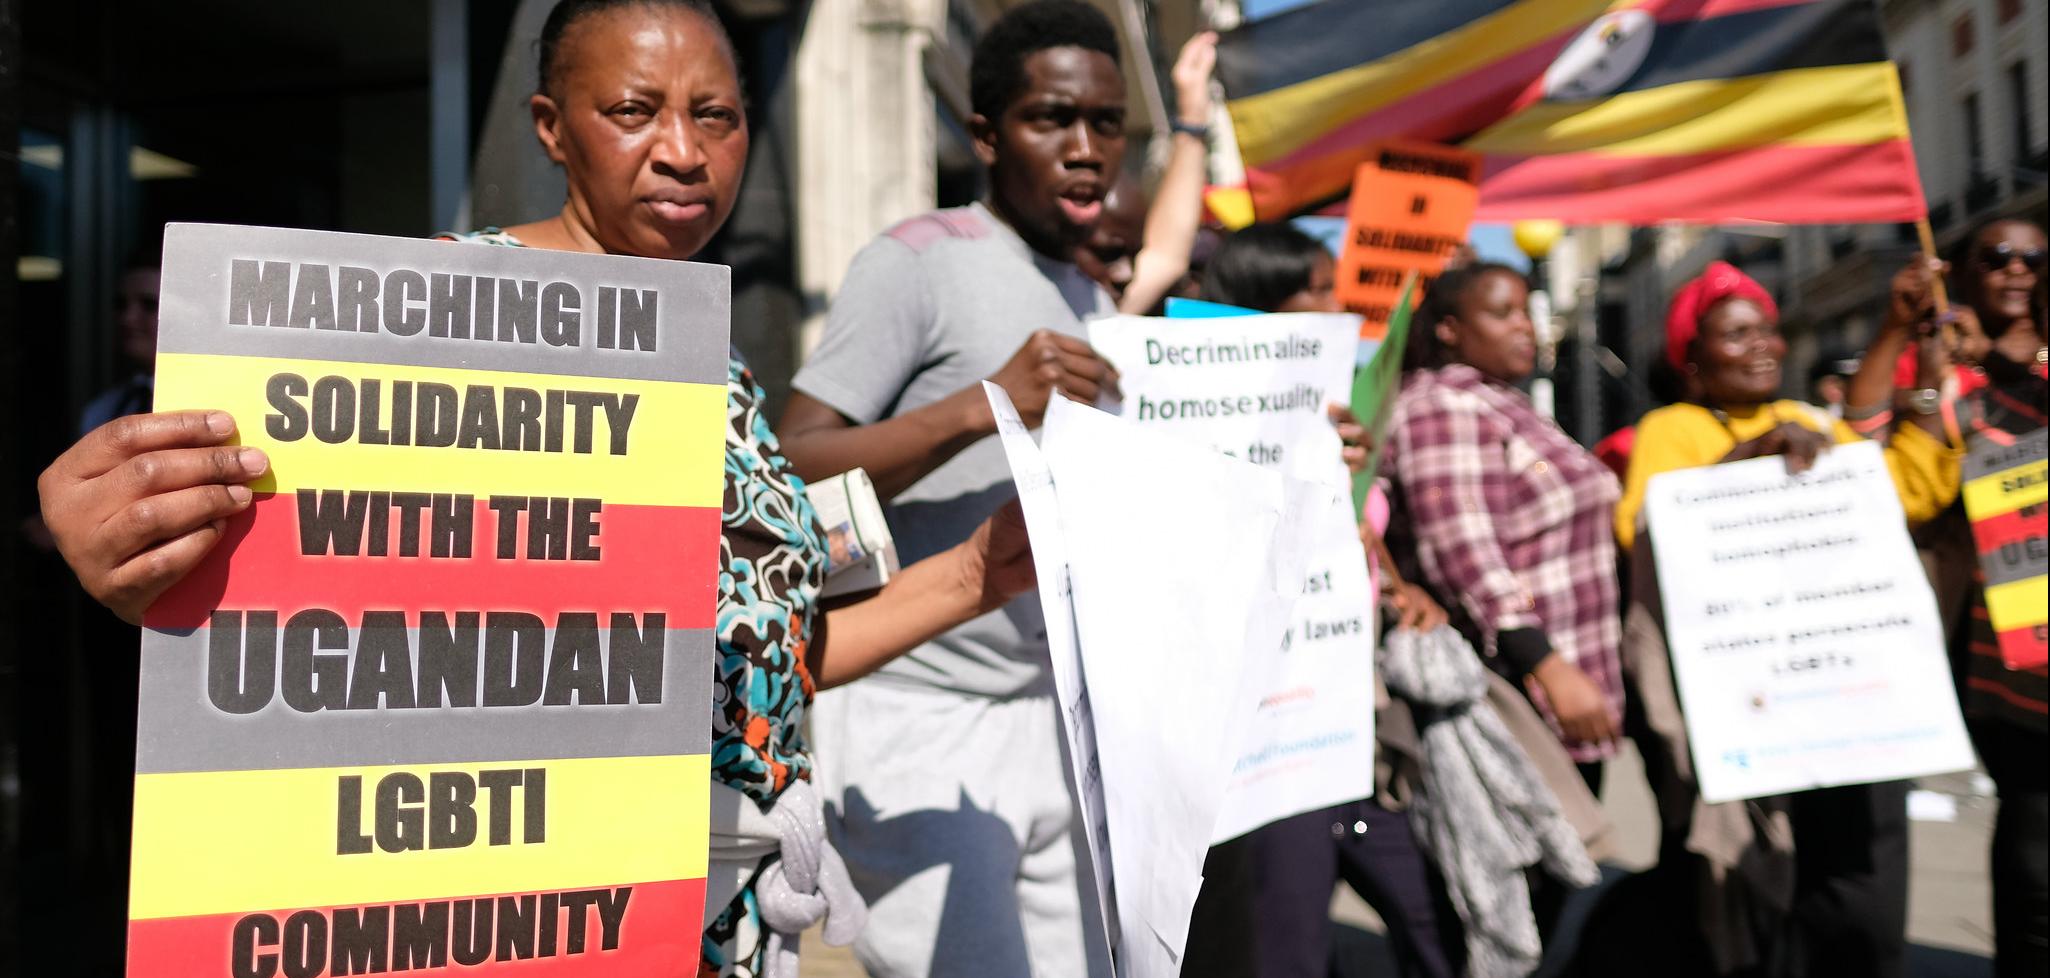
(1585, 110)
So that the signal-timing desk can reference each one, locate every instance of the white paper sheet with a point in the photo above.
(1804, 636)
(1050, 562)
(1257, 387)
(1184, 564)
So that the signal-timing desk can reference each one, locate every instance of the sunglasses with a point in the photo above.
(2002, 255)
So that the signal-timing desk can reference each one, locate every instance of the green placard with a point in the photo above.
(1374, 387)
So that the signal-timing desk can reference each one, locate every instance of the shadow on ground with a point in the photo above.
(1359, 953)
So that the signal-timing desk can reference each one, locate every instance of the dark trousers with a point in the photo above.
(2016, 759)
(1298, 860)
(1220, 941)
(1548, 896)
(1850, 913)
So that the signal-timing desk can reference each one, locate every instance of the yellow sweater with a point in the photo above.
(1682, 436)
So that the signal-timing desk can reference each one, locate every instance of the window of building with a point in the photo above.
(2008, 10)
(1961, 36)
(1975, 136)
(2018, 108)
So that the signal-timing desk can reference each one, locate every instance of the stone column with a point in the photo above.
(865, 147)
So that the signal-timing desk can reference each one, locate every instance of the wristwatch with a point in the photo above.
(1925, 401)
(1202, 133)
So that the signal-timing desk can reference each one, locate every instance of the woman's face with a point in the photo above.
(1491, 329)
(2010, 268)
(1320, 295)
(1736, 357)
(645, 116)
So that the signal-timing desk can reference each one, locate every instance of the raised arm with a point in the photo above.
(1910, 317)
(1177, 210)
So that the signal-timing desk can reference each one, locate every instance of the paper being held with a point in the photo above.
(1179, 598)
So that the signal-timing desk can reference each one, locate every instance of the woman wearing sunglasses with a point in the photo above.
(2000, 330)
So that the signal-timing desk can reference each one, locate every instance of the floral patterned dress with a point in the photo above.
(772, 562)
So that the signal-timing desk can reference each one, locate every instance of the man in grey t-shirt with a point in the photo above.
(945, 766)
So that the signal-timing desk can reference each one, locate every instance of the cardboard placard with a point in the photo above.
(2005, 489)
(1805, 640)
(440, 695)
(1410, 207)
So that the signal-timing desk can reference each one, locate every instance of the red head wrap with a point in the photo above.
(1720, 280)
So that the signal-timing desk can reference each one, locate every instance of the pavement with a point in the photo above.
(1950, 910)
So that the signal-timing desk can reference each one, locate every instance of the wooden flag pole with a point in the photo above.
(1936, 290)
(1939, 297)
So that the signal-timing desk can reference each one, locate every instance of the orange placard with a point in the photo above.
(1410, 206)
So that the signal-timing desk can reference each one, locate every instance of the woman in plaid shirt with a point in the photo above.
(1508, 518)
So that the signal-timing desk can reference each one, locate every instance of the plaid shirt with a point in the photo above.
(1512, 523)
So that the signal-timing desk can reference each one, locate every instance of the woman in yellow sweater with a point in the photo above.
(1849, 903)
(1723, 335)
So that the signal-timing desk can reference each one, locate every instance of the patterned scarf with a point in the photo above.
(1481, 810)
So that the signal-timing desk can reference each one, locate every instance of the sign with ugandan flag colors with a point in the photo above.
(1584, 110)
(440, 698)
(2006, 489)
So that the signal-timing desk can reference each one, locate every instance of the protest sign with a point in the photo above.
(1258, 387)
(1064, 646)
(1409, 210)
(1804, 637)
(1375, 385)
(1182, 567)
(440, 696)
(2005, 490)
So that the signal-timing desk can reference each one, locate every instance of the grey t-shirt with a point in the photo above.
(936, 304)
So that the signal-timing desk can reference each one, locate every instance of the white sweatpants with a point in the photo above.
(953, 814)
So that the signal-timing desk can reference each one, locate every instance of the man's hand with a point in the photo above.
(1051, 361)
(1191, 76)
(140, 500)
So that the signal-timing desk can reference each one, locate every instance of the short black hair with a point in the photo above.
(1261, 265)
(1423, 350)
(566, 13)
(997, 72)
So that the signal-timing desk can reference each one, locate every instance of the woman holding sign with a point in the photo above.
(1722, 334)
(2002, 326)
(640, 102)
(1848, 910)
